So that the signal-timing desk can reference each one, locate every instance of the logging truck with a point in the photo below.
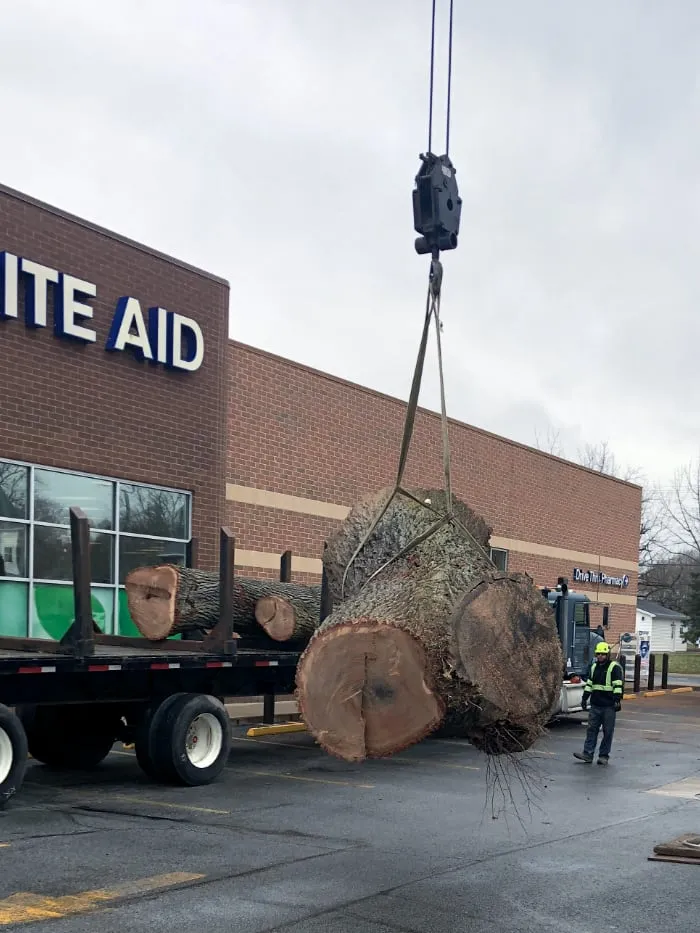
(66, 702)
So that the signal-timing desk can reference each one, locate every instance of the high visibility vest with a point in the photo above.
(612, 684)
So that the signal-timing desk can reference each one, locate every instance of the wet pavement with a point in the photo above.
(437, 838)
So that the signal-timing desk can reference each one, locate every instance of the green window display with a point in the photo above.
(131, 525)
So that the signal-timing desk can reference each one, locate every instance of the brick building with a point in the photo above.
(123, 395)
(89, 420)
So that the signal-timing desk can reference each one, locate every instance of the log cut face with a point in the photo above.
(507, 647)
(290, 617)
(379, 674)
(370, 697)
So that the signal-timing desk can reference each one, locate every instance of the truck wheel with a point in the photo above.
(69, 737)
(193, 742)
(13, 754)
(147, 730)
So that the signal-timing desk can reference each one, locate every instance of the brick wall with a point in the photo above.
(76, 406)
(301, 432)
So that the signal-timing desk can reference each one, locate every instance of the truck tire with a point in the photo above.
(13, 754)
(69, 737)
(192, 742)
(147, 729)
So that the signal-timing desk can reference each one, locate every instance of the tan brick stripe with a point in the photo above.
(544, 550)
(267, 560)
(279, 500)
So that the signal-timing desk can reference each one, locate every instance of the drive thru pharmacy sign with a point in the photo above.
(599, 577)
(159, 336)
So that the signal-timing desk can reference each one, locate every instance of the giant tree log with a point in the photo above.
(168, 600)
(386, 667)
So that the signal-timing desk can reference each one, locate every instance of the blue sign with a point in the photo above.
(161, 336)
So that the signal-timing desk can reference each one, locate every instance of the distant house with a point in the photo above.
(663, 625)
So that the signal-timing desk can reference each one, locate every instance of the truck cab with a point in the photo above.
(572, 615)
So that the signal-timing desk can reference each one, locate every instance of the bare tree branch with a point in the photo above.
(551, 444)
(652, 532)
(668, 578)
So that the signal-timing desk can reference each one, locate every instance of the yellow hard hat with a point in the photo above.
(602, 648)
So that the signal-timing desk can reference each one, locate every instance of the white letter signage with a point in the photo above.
(160, 336)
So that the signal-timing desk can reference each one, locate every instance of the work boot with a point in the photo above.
(602, 759)
(582, 756)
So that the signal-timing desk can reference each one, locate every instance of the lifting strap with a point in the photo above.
(432, 311)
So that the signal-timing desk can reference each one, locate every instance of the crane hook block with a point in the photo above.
(437, 205)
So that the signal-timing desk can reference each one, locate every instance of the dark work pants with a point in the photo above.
(600, 716)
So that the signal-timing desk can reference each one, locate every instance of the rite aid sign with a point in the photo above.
(597, 576)
(160, 336)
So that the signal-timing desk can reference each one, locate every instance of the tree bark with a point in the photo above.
(385, 669)
(169, 600)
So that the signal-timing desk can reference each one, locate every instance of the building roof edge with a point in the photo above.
(110, 234)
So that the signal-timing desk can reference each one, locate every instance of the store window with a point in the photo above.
(500, 558)
(131, 524)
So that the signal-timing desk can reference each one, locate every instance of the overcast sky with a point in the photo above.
(275, 143)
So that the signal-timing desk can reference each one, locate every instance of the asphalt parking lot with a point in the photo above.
(430, 840)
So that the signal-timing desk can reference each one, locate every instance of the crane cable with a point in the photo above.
(432, 312)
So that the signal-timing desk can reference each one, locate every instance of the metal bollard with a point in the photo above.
(268, 708)
(652, 671)
(637, 673)
(664, 672)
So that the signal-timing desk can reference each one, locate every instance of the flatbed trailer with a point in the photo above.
(66, 702)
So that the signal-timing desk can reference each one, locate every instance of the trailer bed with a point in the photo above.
(127, 653)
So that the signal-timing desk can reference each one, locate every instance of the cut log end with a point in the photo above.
(276, 616)
(363, 690)
(151, 598)
(508, 648)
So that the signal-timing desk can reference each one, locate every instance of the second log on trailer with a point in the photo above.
(438, 639)
(169, 600)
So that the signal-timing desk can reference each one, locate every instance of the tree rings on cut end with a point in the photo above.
(507, 646)
(151, 594)
(363, 692)
(276, 616)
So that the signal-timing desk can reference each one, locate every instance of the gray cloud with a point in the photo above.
(275, 142)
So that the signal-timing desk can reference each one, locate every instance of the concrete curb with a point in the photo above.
(657, 693)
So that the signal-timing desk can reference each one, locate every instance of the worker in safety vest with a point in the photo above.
(603, 689)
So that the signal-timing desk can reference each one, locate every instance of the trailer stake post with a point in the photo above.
(286, 567)
(227, 545)
(81, 635)
(222, 638)
(326, 602)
